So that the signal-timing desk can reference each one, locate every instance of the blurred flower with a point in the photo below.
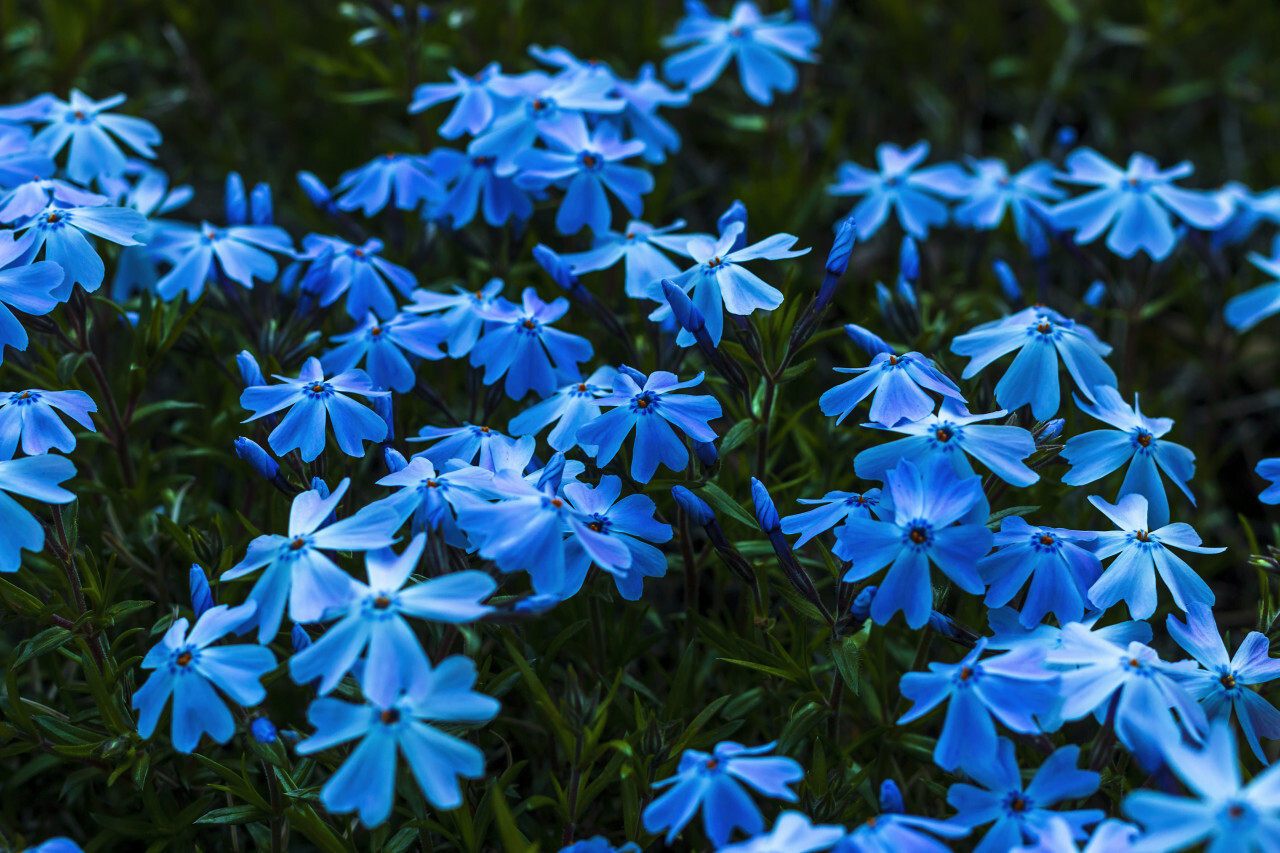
(361, 273)
(913, 194)
(240, 252)
(1026, 195)
(792, 832)
(404, 179)
(475, 96)
(86, 124)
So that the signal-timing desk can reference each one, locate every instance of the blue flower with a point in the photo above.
(29, 289)
(361, 273)
(1138, 204)
(403, 178)
(1223, 685)
(898, 382)
(929, 506)
(521, 345)
(1269, 469)
(410, 725)
(994, 193)
(427, 495)
(87, 125)
(1057, 836)
(1041, 336)
(715, 784)
(240, 252)
(1061, 571)
(20, 160)
(569, 408)
(60, 844)
(382, 347)
(1144, 552)
(539, 106)
(188, 667)
(1133, 438)
(27, 197)
(28, 417)
(640, 119)
(640, 247)
(950, 434)
(471, 182)
(297, 568)
(1248, 309)
(312, 401)
(464, 313)
(372, 622)
(761, 44)
(586, 163)
(1013, 688)
(1222, 810)
(652, 410)
(35, 477)
(834, 508)
(475, 96)
(145, 188)
(61, 232)
(1129, 685)
(1022, 813)
(913, 194)
(892, 831)
(630, 521)
(1249, 210)
(719, 278)
(792, 833)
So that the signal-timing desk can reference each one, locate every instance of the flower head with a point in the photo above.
(404, 179)
(640, 246)
(360, 272)
(385, 347)
(914, 194)
(995, 193)
(1060, 569)
(899, 383)
(834, 508)
(472, 183)
(28, 417)
(240, 252)
(35, 477)
(630, 521)
(521, 345)
(92, 133)
(463, 313)
(61, 231)
(571, 407)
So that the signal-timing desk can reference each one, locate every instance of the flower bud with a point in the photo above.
(861, 608)
(559, 270)
(1066, 136)
(891, 798)
(260, 206)
(237, 209)
(201, 595)
(706, 452)
(868, 341)
(261, 462)
(250, 373)
(766, 512)
(383, 407)
(1094, 295)
(1008, 282)
(639, 377)
(394, 459)
(299, 638)
(698, 510)
(315, 190)
(842, 248)
(686, 313)
(909, 259)
(263, 730)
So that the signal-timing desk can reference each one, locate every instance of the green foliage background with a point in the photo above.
(600, 696)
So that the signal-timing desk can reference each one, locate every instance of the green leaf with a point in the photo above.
(722, 503)
(796, 370)
(996, 517)
(739, 434)
(42, 643)
(847, 654)
(234, 816)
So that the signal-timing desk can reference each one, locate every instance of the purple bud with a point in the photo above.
(300, 638)
(1066, 136)
(686, 313)
(891, 798)
(319, 485)
(867, 340)
(236, 206)
(943, 625)
(263, 730)
(846, 235)
(737, 212)
(395, 460)
(1094, 295)
(315, 189)
(906, 292)
(559, 270)
(384, 409)
(698, 510)
(639, 377)
(201, 595)
(1051, 430)
(884, 299)
(1008, 282)
(706, 452)
(250, 373)
(317, 276)
(552, 472)
(766, 512)
(909, 259)
(260, 206)
(261, 462)
(861, 609)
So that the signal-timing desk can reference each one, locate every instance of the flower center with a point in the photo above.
(596, 526)
(712, 764)
(1144, 438)
(317, 388)
(590, 160)
(556, 502)
(24, 395)
(1142, 536)
(529, 324)
(484, 430)
(359, 253)
(893, 359)
(1235, 810)
(381, 602)
(582, 387)
(919, 535)
(481, 163)
(297, 544)
(1044, 328)
(79, 115)
(965, 673)
(943, 434)
(1018, 803)
(1046, 539)
(1228, 680)
(391, 716)
(1135, 663)
(52, 218)
(184, 658)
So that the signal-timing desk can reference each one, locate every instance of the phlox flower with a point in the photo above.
(1138, 204)
(630, 521)
(894, 831)
(1143, 553)
(1013, 688)
(30, 289)
(1221, 809)
(410, 726)
(915, 195)
(28, 417)
(1223, 685)
(35, 477)
(468, 444)
(898, 382)
(403, 179)
(189, 667)
(716, 783)
(1041, 336)
(928, 501)
(61, 231)
(995, 193)
(652, 410)
(26, 194)
(1010, 633)
(569, 408)
(385, 349)
(1110, 836)
(761, 44)
(240, 252)
(520, 344)
(20, 161)
(313, 401)
(145, 188)
(1250, 308)
(373, 623)
(92, 133)
(1249, 210)
(1269, 469)
(954, 434)
(718, 278)
(1060, 569)
(463, 313)
(297, 568)
(475, 96)
(640, 247)
(427, 496)
(472, 183)
(1021, 814)
(792, 833)
(360, 272)
(599, 844)
(1133, 438)
(834, 508)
